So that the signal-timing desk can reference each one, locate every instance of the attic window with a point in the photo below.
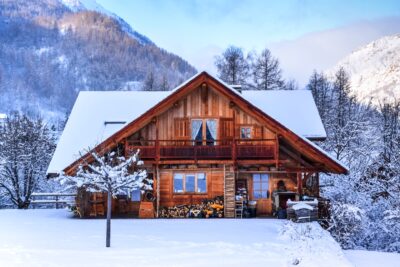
(245, 132)
(114, 122)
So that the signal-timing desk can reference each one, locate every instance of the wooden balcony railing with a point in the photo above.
(203, 150)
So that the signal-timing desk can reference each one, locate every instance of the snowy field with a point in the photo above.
(40, 238)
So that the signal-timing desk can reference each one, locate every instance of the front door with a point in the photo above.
(261, 193)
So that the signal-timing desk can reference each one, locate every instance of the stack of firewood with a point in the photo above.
(209, 208)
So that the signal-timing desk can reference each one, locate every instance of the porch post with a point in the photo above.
(158, 192)
(299, 184)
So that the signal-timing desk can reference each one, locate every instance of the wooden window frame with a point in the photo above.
(184, 174)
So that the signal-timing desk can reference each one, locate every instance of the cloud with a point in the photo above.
(322, 50)
(203, 57)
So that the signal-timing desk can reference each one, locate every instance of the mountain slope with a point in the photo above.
(374, 70)
(50, 51)
(92, 5)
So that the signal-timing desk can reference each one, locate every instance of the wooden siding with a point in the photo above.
(196, 106)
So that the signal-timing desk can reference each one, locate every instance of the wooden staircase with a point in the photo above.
(229, 192)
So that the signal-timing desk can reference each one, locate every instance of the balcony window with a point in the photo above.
(190, 183)
(197, 132)
(204, 129)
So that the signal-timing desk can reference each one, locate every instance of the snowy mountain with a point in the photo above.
(92, 5)
(374, 70)
(52, 49)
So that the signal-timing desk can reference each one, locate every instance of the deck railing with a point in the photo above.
(203, 149)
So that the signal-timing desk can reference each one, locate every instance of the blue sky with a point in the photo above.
(303, 34)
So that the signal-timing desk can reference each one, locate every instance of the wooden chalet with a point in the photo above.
(205, 140)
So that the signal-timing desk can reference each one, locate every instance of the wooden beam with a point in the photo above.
(299, 184)
(277, 151)
(300, 169)
(158, 191)
(255, 161)
(294, 156)
(157, 143)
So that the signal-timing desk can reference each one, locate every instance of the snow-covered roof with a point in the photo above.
(294, 109)
(86, 125)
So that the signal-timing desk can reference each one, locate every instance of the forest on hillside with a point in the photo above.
(49, 53)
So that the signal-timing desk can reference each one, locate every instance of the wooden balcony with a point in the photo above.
(262, 149)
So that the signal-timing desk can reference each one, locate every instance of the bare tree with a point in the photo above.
(232, 66)
(110, 173)
(390, 128)
(291, 85)
(164, 85)
(149, 83)
(267, 73)
(320, 88)
(26, 146)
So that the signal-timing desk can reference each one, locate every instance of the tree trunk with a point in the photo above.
(23, 204)
(108, 234)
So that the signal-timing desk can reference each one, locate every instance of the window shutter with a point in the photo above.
(227, 130)
(181, 128)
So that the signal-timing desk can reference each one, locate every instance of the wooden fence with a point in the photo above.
(57, 200)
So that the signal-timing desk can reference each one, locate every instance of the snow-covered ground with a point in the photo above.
(362, 258)
(52, 238)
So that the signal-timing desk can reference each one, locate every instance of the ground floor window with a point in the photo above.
(260, 185)
(136, 195)
(190, 182)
